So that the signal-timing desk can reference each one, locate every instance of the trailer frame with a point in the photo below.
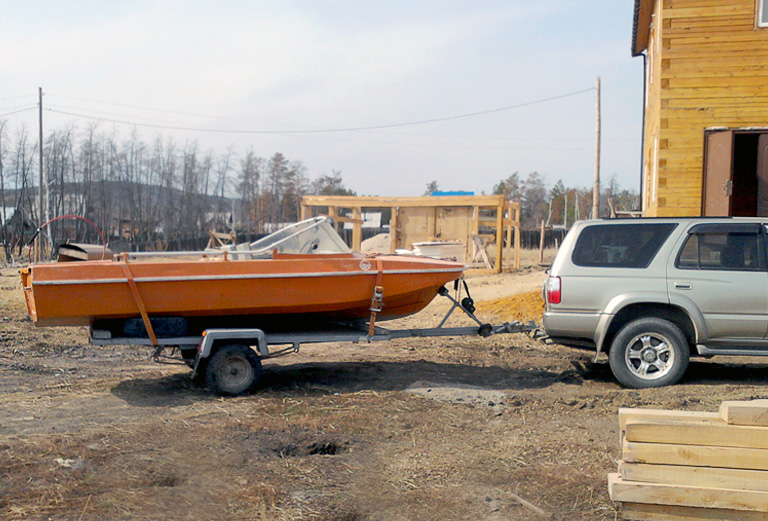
(240, 370)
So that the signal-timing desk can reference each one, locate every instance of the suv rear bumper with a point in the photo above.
(562, 325)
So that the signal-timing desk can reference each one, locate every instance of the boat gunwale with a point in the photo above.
(248, 276)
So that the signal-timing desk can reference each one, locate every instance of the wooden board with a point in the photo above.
(695, 455)
(663, 494)
(631, 415)
(753, 412)
(695, 476)
(647, 512)
(712, 434)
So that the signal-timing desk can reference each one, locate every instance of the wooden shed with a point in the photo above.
(440, 218)
(705, 143)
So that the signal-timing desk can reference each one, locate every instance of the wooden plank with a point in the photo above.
(716, 435)
(722, 11)
(679, 153)
(721, 81)
(695, 476)
(711, 3)
(663, 494)
(745, 71)
(693, 116)
(753, 412)
(683, 26)
(393, 230)
(716, 40)
(713, 60)
(704, 53)
(714, 49)
(715, 104)
(715, 92)
(647, 512)
(344, 201)
(357, 229)
(695, 455)
(631, 414)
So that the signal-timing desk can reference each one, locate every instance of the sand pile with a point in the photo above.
(522, 306)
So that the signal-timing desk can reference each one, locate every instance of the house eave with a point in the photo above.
(641, 26)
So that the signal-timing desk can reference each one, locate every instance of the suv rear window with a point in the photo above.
(620, 245)
(719, 247)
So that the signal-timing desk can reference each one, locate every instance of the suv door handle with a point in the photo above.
(683, 285)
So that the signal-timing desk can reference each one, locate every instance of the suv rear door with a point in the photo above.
(721, 269)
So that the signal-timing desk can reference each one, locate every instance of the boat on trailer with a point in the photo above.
(226, 310)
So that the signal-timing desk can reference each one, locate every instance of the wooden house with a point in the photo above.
(705, 143)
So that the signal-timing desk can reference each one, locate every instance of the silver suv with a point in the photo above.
(653, 292)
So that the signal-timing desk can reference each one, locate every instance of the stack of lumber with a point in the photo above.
(684, 466)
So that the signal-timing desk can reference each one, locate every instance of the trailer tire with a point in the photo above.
(232, 369)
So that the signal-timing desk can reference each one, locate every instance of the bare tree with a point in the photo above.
(277, 174)
(296, 187)
(251, 167)
(3, 215)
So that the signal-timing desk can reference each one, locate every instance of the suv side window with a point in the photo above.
(727, 247)
(620, 245)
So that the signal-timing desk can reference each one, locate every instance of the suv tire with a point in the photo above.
(649, 352)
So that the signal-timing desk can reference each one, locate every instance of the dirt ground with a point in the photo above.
(417, 429)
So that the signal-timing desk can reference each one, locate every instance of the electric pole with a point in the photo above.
(596, 188)
(40, 186)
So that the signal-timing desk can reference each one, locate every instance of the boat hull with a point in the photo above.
(327, 287)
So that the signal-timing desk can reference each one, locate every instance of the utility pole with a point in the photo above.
(596, 188)
(565, 210)
(576, 207)
(40, 186)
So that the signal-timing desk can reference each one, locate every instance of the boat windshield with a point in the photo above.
(312, 236)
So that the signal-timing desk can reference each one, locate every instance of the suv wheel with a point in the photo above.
(649, 352)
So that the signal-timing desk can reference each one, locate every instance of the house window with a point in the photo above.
(762, 13)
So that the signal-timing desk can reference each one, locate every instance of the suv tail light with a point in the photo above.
(553, 290)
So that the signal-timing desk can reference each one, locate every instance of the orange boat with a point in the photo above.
(303, 270)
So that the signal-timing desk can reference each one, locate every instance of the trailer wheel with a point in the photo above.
(233, 369)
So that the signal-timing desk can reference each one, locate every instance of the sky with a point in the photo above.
(392, 94)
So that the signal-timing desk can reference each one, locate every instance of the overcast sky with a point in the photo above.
(248, 69)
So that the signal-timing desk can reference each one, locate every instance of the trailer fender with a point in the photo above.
(250, 336)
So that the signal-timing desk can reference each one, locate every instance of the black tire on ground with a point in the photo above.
(649, 352)
(233, 369)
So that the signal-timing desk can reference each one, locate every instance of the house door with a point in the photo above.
(762, 175)
(736, 173)
(717, 173)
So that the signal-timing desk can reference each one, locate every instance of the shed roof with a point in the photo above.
(641, 27)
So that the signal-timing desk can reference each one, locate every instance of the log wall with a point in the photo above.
(707, 67)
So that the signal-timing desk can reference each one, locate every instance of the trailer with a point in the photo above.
(229, 359)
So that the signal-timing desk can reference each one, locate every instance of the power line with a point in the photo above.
(17, 111)
(16, 97)
(325, 131)
(170, 111)
(104, 114)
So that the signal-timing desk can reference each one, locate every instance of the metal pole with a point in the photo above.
(40, 217)
(596, 188)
